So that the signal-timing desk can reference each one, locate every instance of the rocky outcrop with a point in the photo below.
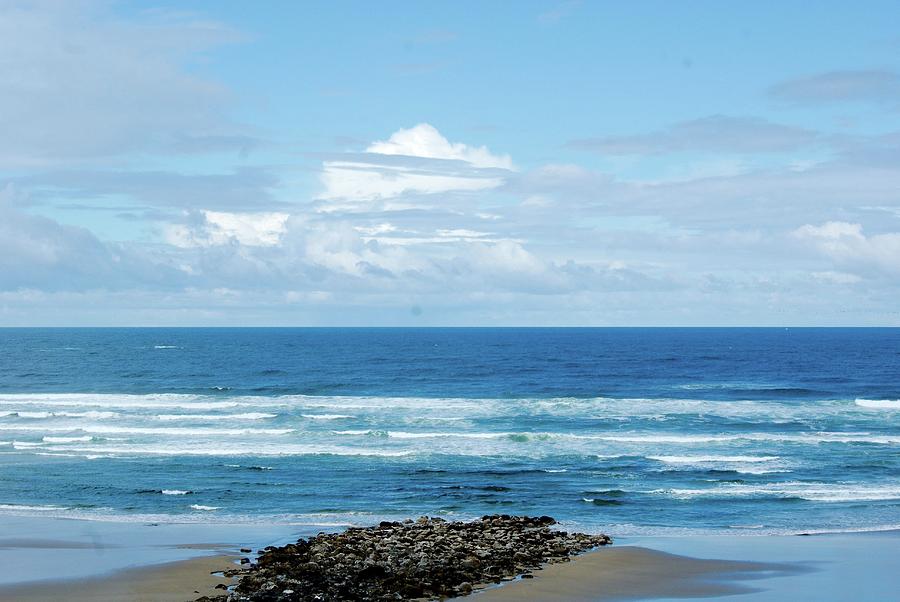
(425, 559)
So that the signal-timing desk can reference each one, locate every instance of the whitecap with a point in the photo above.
(174, 492)
(326, 416)
(66, 439)
(879, 404)
(112, 400)
(245, 416)
(241, 450)
(813, 492)
(39, 415)
(136, 430)
(205, 508)
(755, 470)
(705, 459)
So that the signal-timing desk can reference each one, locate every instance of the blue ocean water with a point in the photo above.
(631, 431)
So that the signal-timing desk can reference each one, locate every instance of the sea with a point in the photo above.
(629, 431)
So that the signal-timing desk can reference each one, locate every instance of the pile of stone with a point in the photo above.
(425, 559)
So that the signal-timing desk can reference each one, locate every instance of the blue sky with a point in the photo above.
(528, 163)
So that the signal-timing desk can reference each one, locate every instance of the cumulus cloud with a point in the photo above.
(424, 140)
(840, 86)
(848, 245)
(219, 228)
(715, 134)
(417, 160)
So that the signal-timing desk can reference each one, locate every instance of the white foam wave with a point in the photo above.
(356, 432)
(66, 439)
(815, 492)
(755, 470)
(639, 437)
(137, 430)
(808, 438)
(613, 409)
(241, 450)
(39, 415)
(705, 459)
(879, 404)
(174, 492)
(408, 435)
(326, 416)
(125, 401)
(13, 508)
(189, 417)
(203, 508)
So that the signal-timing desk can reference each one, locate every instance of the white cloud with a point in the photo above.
(418, 160)
(220, 228)
(424, 140)
(383, 228)
(831, 231)
(848, 245)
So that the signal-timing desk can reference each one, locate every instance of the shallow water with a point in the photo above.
(631, 431)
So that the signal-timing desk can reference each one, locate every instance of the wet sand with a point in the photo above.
(632, 573)
(172, 582)
(625, 573)
(830, 568)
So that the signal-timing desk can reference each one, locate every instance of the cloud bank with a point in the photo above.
(133, 192)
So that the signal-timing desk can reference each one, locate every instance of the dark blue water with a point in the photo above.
(628, 430)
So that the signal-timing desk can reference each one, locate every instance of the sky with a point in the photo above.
(230, 163)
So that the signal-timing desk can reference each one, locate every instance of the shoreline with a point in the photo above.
(760, 567)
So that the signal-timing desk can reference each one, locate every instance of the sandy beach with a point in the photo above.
(633, 573)
(639, 568)
(171, 582)
(610, 574)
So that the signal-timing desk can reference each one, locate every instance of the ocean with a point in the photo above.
(630, 431)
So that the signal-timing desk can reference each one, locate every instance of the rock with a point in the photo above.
(429, 559)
